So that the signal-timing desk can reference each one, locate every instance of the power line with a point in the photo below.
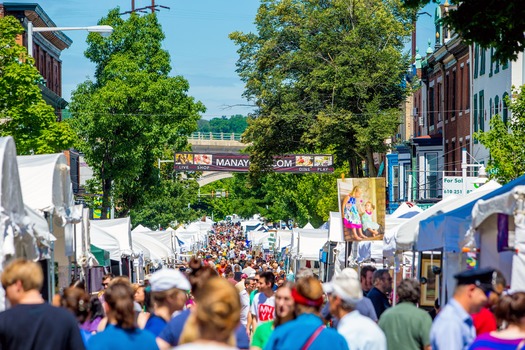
(154, 7)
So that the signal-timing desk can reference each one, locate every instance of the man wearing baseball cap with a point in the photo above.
(453, 328)
(359, 331)
(169, 289)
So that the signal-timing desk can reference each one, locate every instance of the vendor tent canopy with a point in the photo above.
(120, 229)
(308, 226)
(158, 251)
(102, 239)
(405, 208)
(284, 239)
(444, 229)
(335, 228)
(166, 239)
(16, 238)
(310, 242)
(486, 233)
(102, 256)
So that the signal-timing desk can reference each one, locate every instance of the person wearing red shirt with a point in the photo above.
(485, 321)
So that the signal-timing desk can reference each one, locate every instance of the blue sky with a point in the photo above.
(196, 38)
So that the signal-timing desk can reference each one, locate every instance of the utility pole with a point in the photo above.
(153, 7)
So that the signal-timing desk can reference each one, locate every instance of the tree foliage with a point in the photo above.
(235, 124)
(299, 197)
(505, 141)
(490, 23)
(324, 75)
(133, 111)
(23, 112)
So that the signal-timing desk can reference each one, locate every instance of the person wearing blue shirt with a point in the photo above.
(307, 331)
(378, 294)
(453, 327)
(121, 332)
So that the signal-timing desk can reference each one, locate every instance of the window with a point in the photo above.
(476, 60)
(505, 111)
(482, 111)
(446, 112)
(491, 60)
(431, 175)
(496, 105)
(496, 70)
(438, 100)
(505, 65)
(476, 123)
(395, 182)
(453, 99)
(431, 106)
(482, 63)
(468, 87)
(461, 77)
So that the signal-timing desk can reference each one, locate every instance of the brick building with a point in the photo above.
(47, 47)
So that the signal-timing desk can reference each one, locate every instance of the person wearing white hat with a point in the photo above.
(359, 331)
(364, 306)
(169, 289)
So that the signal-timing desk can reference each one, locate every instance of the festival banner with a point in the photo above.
(235, 162)
(362, 203)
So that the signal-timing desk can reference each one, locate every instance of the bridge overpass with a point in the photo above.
(207, 142)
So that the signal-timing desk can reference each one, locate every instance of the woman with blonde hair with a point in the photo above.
(121, 331)
(214, 317)
(307, 331)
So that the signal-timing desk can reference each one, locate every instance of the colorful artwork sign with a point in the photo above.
(234, 162)
(362, 203)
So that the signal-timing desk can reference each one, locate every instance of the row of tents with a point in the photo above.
(40, 221)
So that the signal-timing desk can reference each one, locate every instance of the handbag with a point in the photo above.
(313, 337)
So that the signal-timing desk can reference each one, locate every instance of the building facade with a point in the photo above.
(47, 47)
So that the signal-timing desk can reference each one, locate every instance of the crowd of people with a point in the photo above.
(231, 297)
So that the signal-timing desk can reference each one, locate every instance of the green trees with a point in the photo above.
(235, 124)
(505, 141)
(325, 76)
(23, 112)
(132, 111)
(490, 23)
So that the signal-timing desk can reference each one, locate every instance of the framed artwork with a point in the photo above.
(430, 289)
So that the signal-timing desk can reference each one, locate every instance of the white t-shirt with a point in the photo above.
(263, 307)
(245, 306)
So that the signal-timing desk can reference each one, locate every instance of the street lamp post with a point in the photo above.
(103, 30)
(482, 174)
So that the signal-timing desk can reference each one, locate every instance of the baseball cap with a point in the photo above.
(345, 286)
(166, 279)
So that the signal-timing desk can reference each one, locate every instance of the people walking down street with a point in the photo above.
(485, 320)
(405, 325)
(169, 290)
(284, 312)
(121, 333)
(213, 323)
(263, 306)
(198, 277)
(77, 301)
(509, 311)
(360, 332)
(366, 278)
(379, 293)
(31, 323)
(453, 327)
(307, 331)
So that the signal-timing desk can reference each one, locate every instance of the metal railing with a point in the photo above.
(215, 136)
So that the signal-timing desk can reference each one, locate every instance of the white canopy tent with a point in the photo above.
(119, 229)
(284, 239)
(166, 239)
(16, 238)
(309, 243)
(484, 235)
(157, 250)
(46, 187)
(104, 240)
(308, 226)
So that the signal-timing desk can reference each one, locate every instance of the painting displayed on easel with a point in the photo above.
(429, 280)
(362, 203)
